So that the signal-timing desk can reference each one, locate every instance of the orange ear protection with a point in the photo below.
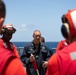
(68, 27)
(8, 29)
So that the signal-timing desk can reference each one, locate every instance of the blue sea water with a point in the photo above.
(20, 46)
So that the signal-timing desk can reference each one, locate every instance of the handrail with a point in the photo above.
(20, 50)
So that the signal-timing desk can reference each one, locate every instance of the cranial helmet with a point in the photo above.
(69, 23)
(8, 28)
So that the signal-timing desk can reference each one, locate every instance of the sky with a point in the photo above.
(44, 15)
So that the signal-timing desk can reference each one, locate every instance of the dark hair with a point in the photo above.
(42, 39)
(63, 19)
(36, 31)
(2, 9)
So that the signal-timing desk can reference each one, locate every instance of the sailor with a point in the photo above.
(5, 46)
(63, 62)
(66, 41)
(37, 51)
(42, 39)
(7, 32)
(10, 64)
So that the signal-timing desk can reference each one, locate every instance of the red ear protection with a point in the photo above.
(71, 17)
(8, 29)
(69, 24)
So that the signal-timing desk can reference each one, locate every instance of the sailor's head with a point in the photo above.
(2, 13)
(68, 28)
(7, 31)
(37, 35)
(42, 39)
(8, 28)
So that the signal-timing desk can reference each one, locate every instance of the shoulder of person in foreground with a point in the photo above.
(16, 51)
(60, 45)
(15, 67)
(52, 68)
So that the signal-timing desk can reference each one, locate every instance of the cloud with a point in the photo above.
(31, 25)
(24, 27)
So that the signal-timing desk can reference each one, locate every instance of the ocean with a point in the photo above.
(49, 44)
(20, 45)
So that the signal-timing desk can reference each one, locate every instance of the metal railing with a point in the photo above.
(20, 50)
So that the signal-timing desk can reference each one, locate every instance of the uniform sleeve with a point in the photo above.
(15, 67)
(24, 57)
(52, 68)
(48, 53)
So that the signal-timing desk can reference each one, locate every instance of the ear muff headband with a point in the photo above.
(65, 30)
(71, 17)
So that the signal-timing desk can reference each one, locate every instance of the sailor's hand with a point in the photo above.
(32, 58)
(45, 63)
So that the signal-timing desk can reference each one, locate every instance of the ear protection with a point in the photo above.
(69, 24)
(2, 31)
(7, 29)
(65, 29)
